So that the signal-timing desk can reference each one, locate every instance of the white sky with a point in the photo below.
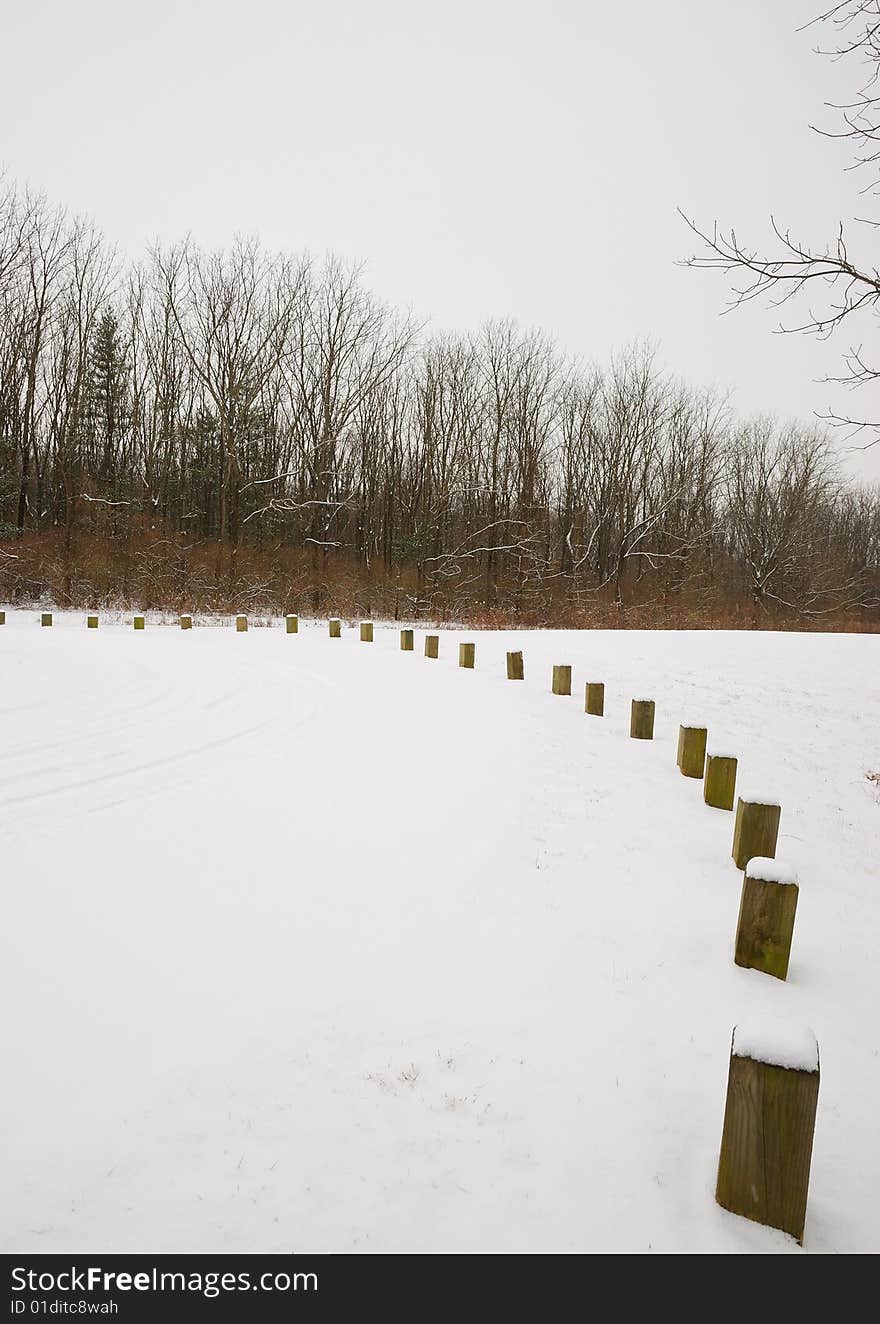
(484, 159)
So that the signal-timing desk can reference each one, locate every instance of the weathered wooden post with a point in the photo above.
(432, 645)
(139, 622)
(719, 783)
(2, 617)
(91, 622)
(406, 641)
(466, 653)
(769, 1120)
(515, 670)
(46, 618)
(641, 722)
(594, 698)
(562, 680)
(766, 917)
(335, 629)
(366, 632)
(241, 624)
(291, 624)
(692, 750)
(186, 622)
(755, 829)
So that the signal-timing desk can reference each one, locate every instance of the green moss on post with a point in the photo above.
(562, 680)
(186, 622)
(594, 698)
(406, 641)
(241, 624)
(754, 831)
(767, 1140)
(432, 645)
(515, 670)
(291, 624)
(46, 618)
(335, 629)
(692, 750)
(766, 919)
(641, 722)
(719, 785)
(139, 623)
(91, 622)
(466, 655)
(366, 632)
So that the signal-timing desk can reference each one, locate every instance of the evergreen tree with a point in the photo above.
(109, 407)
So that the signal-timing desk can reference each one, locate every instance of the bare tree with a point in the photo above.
(826, 286)
(233, 313)
(347, 345)
(782, 502)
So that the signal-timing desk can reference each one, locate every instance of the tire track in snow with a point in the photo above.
(137, 767)
(169, 705)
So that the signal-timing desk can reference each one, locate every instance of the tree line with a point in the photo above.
(245, 428)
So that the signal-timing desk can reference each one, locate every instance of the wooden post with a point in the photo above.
(366, 632)
(335, 629)
(241, 624)
(562, 680)
(406, 641)
(466, 655)
(432, 645)
(766, 917)
(2, 617)
(291, 624)
(641, 722)
(46, 618)
(515, 669)
(91, 622)
(139, 622)
(720, 781)
(755, 830)
(594, 698)
(186, 622)
(769, 1120)
(691, 750)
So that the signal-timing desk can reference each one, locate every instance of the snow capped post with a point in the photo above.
(335, 629)
(291, 624)
(769, 1120)
(515, 669)
(432, 645)
(186, 622)
(91, 622)
(366, 632)
(46, 618)
(562, 680)
(466, 654)
(691, 750)
(641, 722)
(594, 698)
(720, 780)
(406, 641)
(755, 829)
(766, 917)
(139, 622)
(241, 625)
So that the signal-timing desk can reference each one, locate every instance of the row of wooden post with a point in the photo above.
(770, 1109)
(769, 1117)
(186, 622)
(767, 1136)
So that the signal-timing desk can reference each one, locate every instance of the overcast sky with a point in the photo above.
(483, 159)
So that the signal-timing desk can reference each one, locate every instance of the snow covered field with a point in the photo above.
(311, 944)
